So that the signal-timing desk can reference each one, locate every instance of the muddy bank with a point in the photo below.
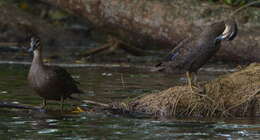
(232, 95)
(163, 23)
(15, 25)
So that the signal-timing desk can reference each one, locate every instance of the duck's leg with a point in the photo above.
(195, 78)
(43, 104)
(192, 79)
(189, 80)
(61, 103)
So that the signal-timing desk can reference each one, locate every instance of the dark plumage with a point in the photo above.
(50, 83)
(193, 53)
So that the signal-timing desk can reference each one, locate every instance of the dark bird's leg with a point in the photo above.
(43, 104)
(61, 103)
(195, 78)
(189, 80)
(192, 79)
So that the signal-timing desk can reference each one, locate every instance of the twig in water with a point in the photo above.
(95, 103)
(90, 102)
(122, 80)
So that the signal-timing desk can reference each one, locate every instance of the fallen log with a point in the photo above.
(113, 44)
(163, 23)
(232, 95)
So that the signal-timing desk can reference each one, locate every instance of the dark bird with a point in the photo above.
(192, 53)
(50, 83)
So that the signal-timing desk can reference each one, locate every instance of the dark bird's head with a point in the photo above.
(34, 44)
(229, 32)
(224, 30)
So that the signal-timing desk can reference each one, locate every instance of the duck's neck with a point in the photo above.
(37, 57)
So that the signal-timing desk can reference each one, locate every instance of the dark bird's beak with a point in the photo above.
(30, 50)
(233, 33)
(230, 30)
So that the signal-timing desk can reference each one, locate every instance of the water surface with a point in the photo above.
(106, 85)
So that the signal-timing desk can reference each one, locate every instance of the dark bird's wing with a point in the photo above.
(176, 50)
(178, 57)
(65, 79)
(193, 53)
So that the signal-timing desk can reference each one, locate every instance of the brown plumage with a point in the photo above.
(50, 83)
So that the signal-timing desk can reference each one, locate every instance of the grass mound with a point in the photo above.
(232, 95)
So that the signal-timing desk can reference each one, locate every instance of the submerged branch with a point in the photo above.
(17, 106)
(35, 108)
(96, 103)
(90, 102)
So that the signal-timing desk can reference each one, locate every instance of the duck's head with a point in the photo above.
(229, 32)
(34, 44)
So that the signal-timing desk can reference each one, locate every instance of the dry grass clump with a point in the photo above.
(236, 94)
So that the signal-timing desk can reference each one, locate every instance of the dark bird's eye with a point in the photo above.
(37, 43)
(34, 43)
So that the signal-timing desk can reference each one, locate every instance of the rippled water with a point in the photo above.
(105, 85)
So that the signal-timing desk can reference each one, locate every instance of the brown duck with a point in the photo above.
(192, 53)
(50, 83)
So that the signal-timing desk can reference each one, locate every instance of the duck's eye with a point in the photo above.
(35, 43)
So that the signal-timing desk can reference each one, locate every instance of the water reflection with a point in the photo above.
(106, 85)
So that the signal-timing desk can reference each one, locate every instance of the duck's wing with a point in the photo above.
(176, 50)
(62, 73)
(63, 76)
(179, 56)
